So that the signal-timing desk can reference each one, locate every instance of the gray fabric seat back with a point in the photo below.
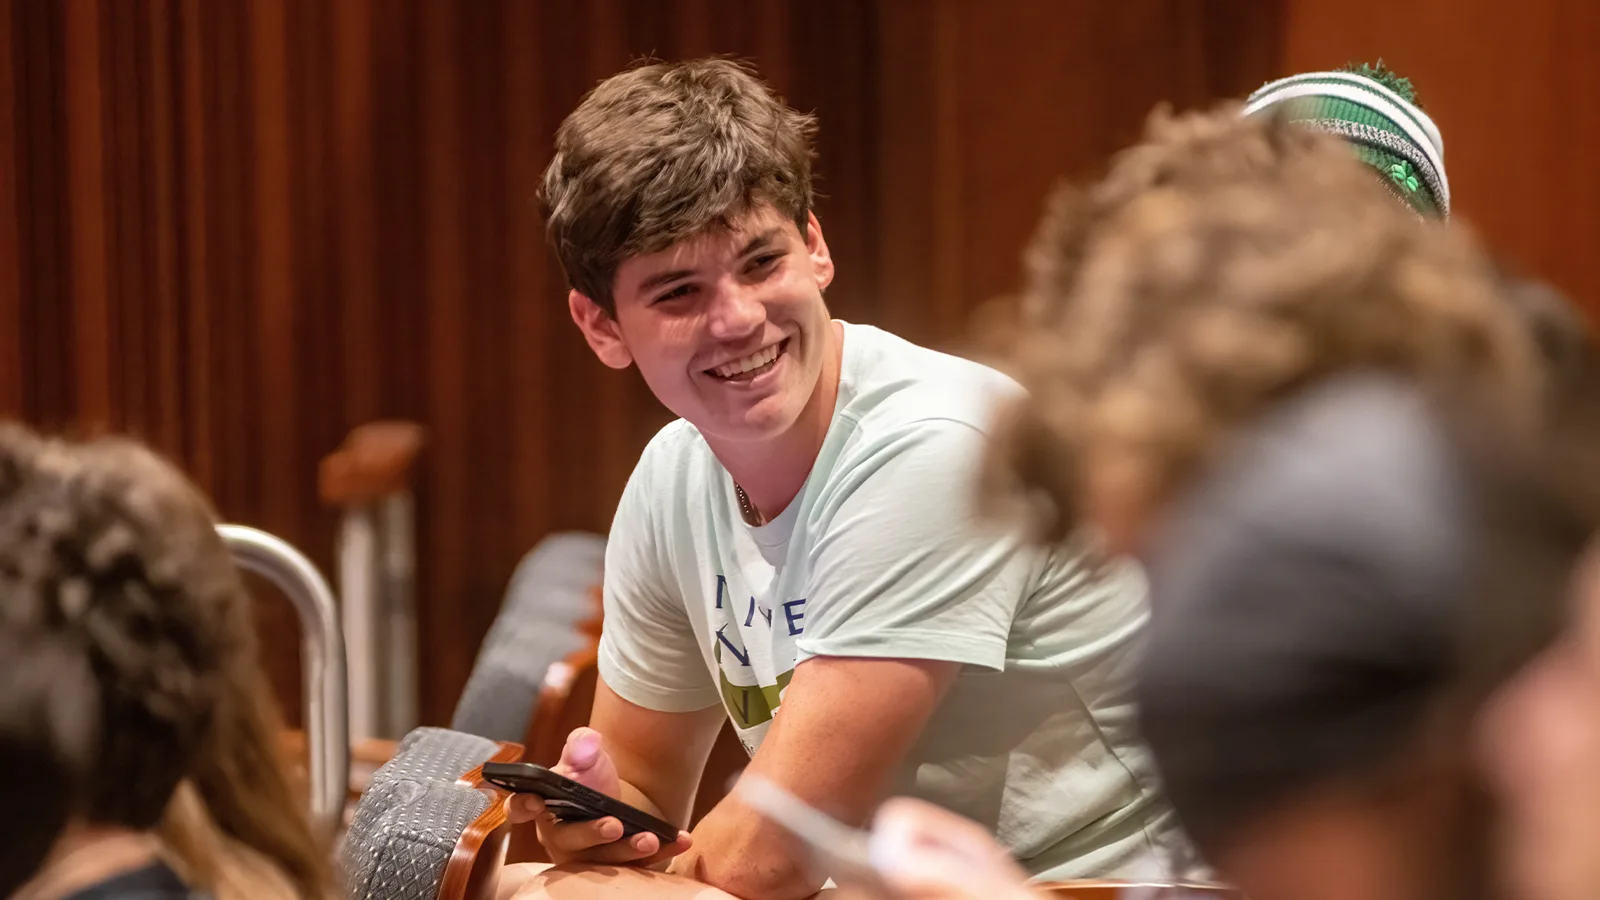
(406, 825)
(436, 753)
(538, 625)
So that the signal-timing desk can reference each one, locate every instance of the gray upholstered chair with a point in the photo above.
(541, 622)
(427, 827)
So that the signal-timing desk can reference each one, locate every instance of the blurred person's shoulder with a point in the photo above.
(155, 882)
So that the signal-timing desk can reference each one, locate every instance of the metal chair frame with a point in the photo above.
(322, 660)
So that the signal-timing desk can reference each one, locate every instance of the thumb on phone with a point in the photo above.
(584, 759)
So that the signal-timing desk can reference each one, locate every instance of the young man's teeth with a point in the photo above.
(753, 361)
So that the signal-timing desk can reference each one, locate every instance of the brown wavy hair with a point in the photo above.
(666, 151)
(1222, 264)
(107, 547)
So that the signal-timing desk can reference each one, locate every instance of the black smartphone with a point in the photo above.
(570, 801)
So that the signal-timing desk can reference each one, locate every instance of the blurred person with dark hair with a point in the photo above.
(109, 554)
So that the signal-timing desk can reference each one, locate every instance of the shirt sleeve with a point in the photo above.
(902, 567)
(648, 651)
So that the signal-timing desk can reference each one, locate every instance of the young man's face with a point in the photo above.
(729, 329)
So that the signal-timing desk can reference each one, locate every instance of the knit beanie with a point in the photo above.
(1376, 112)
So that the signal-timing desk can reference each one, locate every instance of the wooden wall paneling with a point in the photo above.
(619, 31)
(86, 190)
(123, 206)
(1240, 41)
(394, 152)
(906, 102)
(47, 366)
(193, 182)
(446, 351)
(984, 108)
(535, 310)
(1575, 130)
(692, 30)
(774, 35)
(234, 363)
(12, 361)
(280, 408)
(822, 56)
(360, 323)
(499, 540)
(319, 342)
(160, 173)
(566, 372)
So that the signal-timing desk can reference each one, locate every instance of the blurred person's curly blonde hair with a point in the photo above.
(1222, 264)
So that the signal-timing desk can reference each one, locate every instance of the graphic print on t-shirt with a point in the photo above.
(755, 655)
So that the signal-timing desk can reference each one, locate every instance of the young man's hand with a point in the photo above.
(584, 759)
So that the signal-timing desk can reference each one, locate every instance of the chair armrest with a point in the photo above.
(375, 460)
(473, 872)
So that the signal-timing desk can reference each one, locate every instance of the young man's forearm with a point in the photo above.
(737, 850)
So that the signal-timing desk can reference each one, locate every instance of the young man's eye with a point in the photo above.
(682, 290)
(765, 261)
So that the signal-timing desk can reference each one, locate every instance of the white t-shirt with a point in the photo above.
(880, 556)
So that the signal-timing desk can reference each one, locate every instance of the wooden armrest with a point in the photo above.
(473, 871)
(376, 460)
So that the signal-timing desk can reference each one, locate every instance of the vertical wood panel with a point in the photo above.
(612, 392)
(231, 291)
(161, 172)
(948, 55)
(274, 327)
(128, 316)
(448, 403)
(12, 367)
(86, 188)
(47, 387)
(534, 312)
(352, 125)
(193, 187)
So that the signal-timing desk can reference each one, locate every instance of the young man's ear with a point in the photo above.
(600, 329)
(817, 246)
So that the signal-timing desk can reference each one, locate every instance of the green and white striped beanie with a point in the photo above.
(1376, 112)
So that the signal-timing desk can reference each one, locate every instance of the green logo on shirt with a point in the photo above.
(751, 705)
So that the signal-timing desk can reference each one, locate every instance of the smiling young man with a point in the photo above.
(797, 553)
